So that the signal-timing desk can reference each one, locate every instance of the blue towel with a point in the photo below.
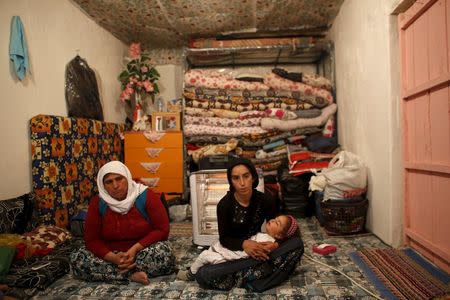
(18, 51)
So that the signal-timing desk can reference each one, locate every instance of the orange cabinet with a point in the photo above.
(156, 160)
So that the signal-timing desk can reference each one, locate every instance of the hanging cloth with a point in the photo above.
(18, 50)
(81, 91)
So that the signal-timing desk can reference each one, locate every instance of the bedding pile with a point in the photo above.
(261, 114)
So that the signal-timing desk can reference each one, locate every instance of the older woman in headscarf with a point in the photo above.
(126, 231)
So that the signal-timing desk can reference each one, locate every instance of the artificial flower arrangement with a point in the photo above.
(139, 78)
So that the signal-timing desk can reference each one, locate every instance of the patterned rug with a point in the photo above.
(182, 229)
(310, 280)
(402, 274)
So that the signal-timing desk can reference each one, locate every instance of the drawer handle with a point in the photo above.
(153, 136)
(153, 152)
(151, 167)
(150, 182)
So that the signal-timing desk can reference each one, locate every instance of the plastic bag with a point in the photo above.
(345, 177)
(81, 89)
(179, 213)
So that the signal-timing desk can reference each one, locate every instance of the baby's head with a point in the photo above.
(282, 227)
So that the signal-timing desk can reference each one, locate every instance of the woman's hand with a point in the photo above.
(128, 258)
(256, 250)
(269, 246)
(114, 258)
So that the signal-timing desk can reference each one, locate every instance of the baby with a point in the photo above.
(279, 229)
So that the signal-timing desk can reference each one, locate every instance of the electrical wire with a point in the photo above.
(337, 270)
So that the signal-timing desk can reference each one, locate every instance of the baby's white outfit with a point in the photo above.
(218, 253)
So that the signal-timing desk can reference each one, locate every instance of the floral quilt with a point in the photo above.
(66, 154)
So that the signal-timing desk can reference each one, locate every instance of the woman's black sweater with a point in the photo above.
(238, 223)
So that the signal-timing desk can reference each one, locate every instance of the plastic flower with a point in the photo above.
(139, 77)
(148, 86)
(135, 50)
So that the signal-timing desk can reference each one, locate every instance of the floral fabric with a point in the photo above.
(328, 129)
(209, 150)
(278, 83)
(47, 236)
(316, 81)
(250, 139)
(246, 106)
(222, 122)
(154, 260)
(238, 96)
(66, 154)
(327, 112)
(223, 113)
(252, 114)
(262, 101)
(281, 114)
(199, 112)
(191, 130)
(216, 80)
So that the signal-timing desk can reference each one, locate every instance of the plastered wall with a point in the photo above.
(367, 83)
(55, 31)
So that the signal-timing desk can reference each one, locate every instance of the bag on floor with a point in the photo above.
(345, 177)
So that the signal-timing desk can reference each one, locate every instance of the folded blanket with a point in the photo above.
(281, 114)
(246, 140)
(278, 83)
(210, 150)
(252, 114)
(206, 79)
(199, 112)
(223, 113)
(316, 81)
(190, 130)
(267, 123)
(245, 106)
(271, 159)
(291, 98)
(221, 122)
(303, 161)
(261, 154)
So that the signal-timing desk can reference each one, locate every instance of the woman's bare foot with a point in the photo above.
(140, 277)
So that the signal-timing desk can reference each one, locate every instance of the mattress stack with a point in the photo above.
(256, 116)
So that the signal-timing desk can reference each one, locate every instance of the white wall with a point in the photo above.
(367, 85)
(54, 31)
(171, 81)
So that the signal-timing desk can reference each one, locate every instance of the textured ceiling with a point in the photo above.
(171, 23)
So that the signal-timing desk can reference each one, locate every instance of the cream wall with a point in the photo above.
(171, 81)
(54, 31)
(367, 85)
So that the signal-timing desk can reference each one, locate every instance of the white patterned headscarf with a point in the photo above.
(134, 188)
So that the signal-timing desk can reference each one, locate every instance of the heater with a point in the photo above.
(207, 188)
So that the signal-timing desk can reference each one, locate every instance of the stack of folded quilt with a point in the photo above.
(256, 116)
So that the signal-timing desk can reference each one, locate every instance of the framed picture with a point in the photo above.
(166, 121)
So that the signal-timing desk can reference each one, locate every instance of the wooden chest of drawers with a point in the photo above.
(156, 160)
